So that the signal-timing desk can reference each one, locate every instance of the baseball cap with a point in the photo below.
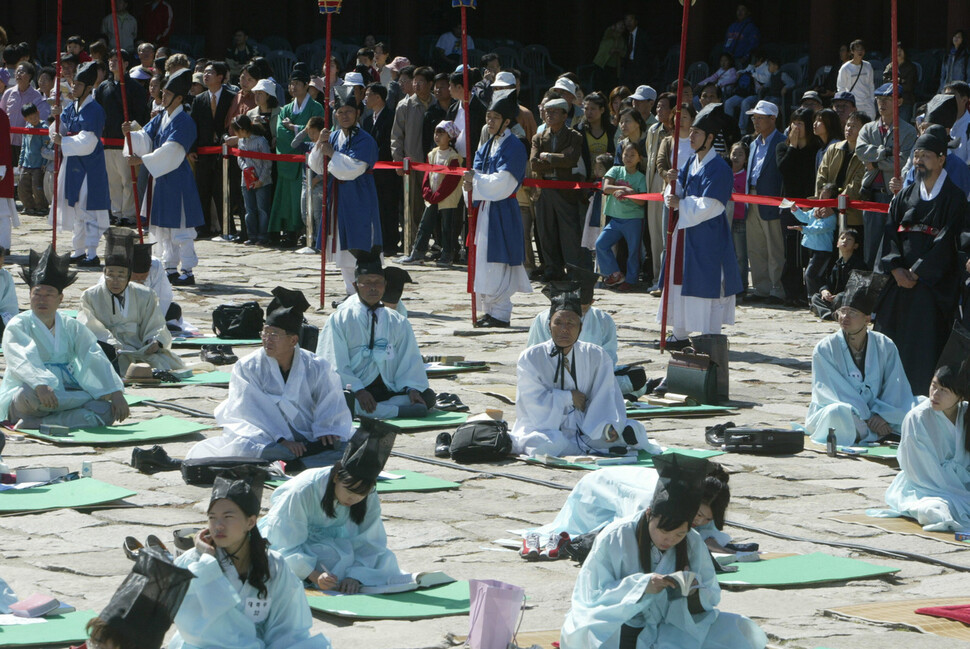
(644, 93)
(844, 96)
(764, 108)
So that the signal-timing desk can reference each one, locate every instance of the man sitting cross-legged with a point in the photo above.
(56, 373)
(859, 388)
(285, 403)
(374, 350)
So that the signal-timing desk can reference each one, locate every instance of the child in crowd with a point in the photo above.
(594, 213)
(32, 165)
(817, 237)
(441, 195)
(625, 218)
(849, 259)
(257, 179)
(304, 141)
(738, 211)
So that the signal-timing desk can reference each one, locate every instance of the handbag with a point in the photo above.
(238, 321)
(494, 610)
(692, 374)
(716, 346)
(250, 177)
(202, 471)
(481, 441)
(756, 441)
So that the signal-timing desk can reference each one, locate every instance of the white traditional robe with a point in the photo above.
(220, 610)
(8, 297)
(309, 540)
(547, 422)
(131, 328)
(261, 408)
(933, 485)
(844, 400)
(609, 593)
(7, 597)
(609, 494)
(395, 357)
(68, 360)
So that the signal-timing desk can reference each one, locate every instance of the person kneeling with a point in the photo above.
(567, 401)
(56, 372)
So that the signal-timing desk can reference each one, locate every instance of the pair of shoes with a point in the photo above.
(184, 279)
(754, 298)
(444, 262)
(173, 276)
(490, 322)
(184, 539)
(624, 287)
(153, 460)
(301, 242)
(442, 445)
(614, 279)
(93, 262)
(657, 292)
(530, 547)
(250, 242)
(536, 274)
(133, 546)
(450, 402)
(552, 549)
(218, 354)
(414, 258)
(675, 345)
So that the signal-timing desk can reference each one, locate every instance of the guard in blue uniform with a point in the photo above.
(83, 197)
(175, 210)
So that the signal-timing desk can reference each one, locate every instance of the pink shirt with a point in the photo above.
(11, 103)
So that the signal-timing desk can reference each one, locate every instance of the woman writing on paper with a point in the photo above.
(626, 593)
(327, 522)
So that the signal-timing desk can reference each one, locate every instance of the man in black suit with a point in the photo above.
(378, 124)
(635, 65)
(209, 111)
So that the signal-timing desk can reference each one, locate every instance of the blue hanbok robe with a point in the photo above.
(90, 168)
(933, 485)
(844, 399)
(67, 360)
(220, 610)
(505, 233)
(309, 540)
(609, 593)
(162, 145)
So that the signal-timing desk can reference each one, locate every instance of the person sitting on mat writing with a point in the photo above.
(125, 316)
(285, 403)
(567, 401)
(56, 373)
(326, 523)
(859, 387)
(374, 350)
(395, 278)
(243, 596)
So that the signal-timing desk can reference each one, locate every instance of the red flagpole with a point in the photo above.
(323, 217)
(124, 108)
(672, 214)
(57, 121)
(472, 212)
(895, 46)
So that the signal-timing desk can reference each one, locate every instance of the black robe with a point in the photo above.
(922, 236)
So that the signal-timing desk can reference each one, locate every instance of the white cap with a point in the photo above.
(563, 83)
(504, 79)
(764, 108)
(644, 93)
(354, 79)
(561, 104)
(266, 86)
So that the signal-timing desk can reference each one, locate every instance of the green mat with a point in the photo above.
(134, 399)
(164, 427)
(801, 570)
(412, 481)
(206, 378)
(84, 492)
(450, 599)
(887, 452)
(68, 313)
(212, 340)
(435, 419)
(641, 410)
(54, 630)
(644, 459)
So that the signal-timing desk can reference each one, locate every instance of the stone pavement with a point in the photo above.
(77, 557)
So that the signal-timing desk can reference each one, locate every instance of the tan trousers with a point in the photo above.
(766, 254)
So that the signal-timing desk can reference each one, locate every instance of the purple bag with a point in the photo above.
(494, 613)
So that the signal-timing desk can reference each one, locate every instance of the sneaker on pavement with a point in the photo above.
(614, 279)
(530, 546)
(553, 546)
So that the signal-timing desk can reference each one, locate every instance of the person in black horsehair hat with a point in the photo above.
(149, 271)
(598, 327)
(83, 196)
(286, 215)
(56, 372)
(704, 270)
(124, 316)
(649, 555)
(498, 172)
(941, 114)
(859, 386)
(374, 349)
(567, 399)
(351, 192)
(161, 146)
(285, 403)
(920, 253)
(341, 499)
(243, 594)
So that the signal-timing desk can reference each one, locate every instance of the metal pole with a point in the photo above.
(672, 214)
(308, 208)
(225, 192)
(409, 233)
(895, 45)
(124, 109)
(326, 123)
(57, 122)
(472, 215)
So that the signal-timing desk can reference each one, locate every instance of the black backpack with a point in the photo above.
(238, 321)
(481, 441)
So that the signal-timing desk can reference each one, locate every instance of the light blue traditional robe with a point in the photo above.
(933, 485)
(309, 540)
(7, 597)
(8, 297)
(355, 299)
(66, 360)
(220, 610)
(609, 593)
(844, 400)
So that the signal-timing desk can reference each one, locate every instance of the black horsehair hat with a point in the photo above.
(119, 247)
(566, 301)
(862, 291)
(368, 262)
(141, 260)
(368, 450)
(681, 484)
(179, 83)
(48, 269)
(396, 279)
(286, 310)
(242, 485)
